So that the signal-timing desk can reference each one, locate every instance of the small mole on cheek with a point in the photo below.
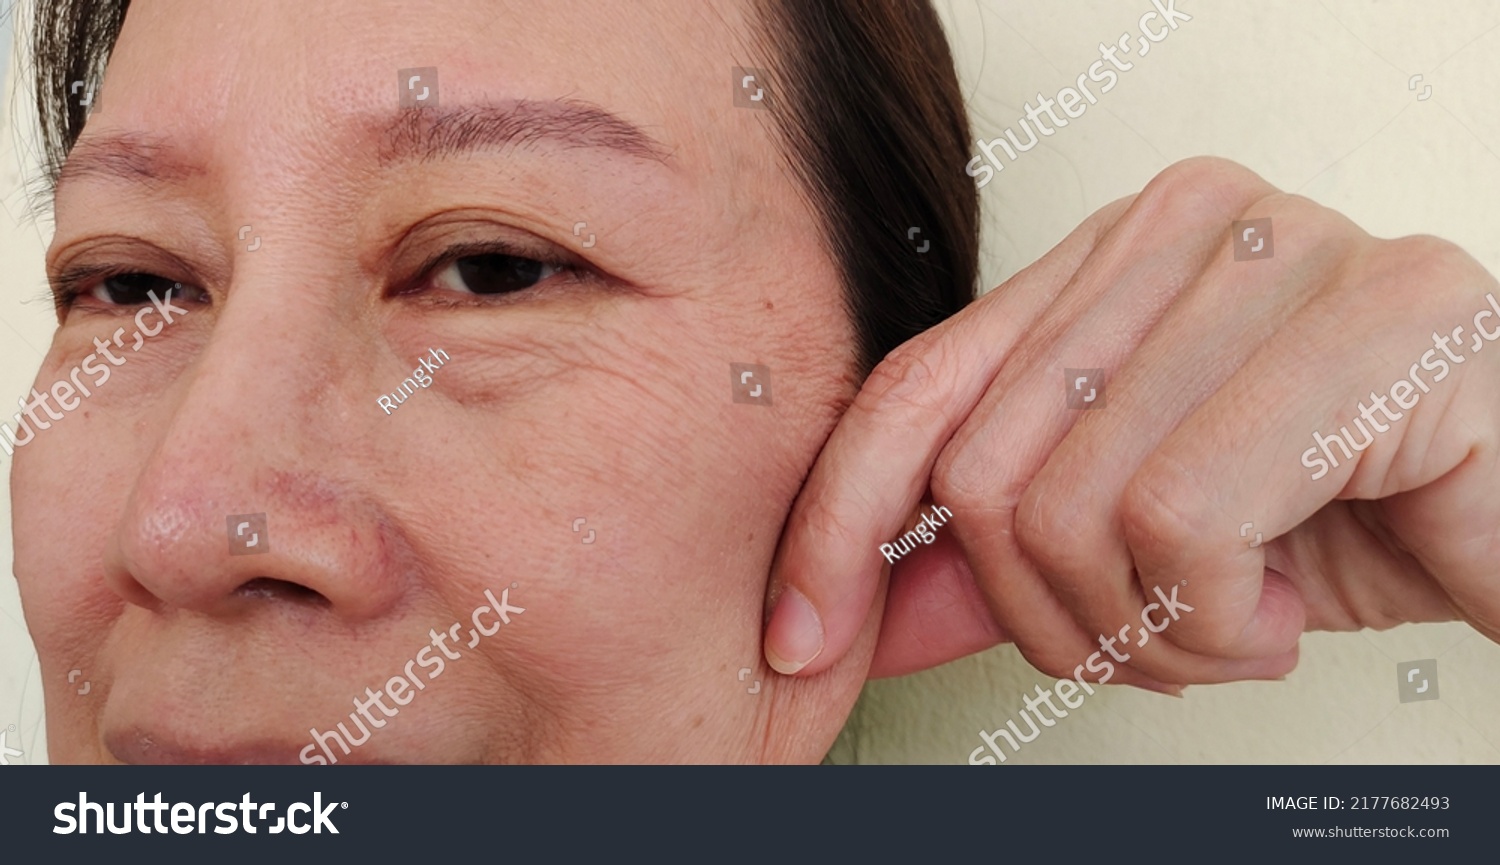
(697, 722)
(770, 305)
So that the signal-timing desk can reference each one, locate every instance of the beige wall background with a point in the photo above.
(1312, 95)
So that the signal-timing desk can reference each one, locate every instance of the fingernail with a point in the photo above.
(1160, 688)
(1135, 679)
(795, 636)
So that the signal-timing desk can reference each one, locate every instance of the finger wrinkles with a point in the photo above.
(1066, 527)
(1223, 317)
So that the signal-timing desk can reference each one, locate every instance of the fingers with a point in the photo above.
(1073, 522)
(1126, 286)
(1449, 522)
(875, 466)
(1182, 507)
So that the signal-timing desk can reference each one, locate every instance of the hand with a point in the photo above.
(1218, 374)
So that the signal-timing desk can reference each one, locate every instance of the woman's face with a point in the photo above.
(326, 240)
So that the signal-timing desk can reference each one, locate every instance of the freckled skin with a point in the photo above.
(602, 398)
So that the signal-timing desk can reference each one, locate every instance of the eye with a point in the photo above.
(135, 289)
(494, 273)
(106, 288)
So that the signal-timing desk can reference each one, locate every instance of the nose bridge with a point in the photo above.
(282, 335)
(258, 470)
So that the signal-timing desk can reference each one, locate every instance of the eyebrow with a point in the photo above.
(426, 134)
(133, 157)
(414, 134)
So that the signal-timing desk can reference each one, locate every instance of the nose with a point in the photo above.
(256, 489)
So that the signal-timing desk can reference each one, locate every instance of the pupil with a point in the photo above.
(497, 274)
(133, 289)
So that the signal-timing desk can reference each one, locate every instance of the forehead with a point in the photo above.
(277, 71)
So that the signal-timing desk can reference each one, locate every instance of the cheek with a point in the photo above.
(634, 500)
(70, 482)
(621, 504)
(64, 510)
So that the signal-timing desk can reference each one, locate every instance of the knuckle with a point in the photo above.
(1415, 278)
(952, 481)
(970, 477)
(1439, 266)
(1161, 511)
(1167, 519)
(1110, 213)
(907, 375)
(1202, 172)
(1052, 529)
(1195, 192)
(1304, 229)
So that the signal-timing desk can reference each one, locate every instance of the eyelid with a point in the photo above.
(422, 276)
(117, 256)
(77, 283)
(68, 285)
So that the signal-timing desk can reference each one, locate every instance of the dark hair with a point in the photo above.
(864, 95)
(868, 103)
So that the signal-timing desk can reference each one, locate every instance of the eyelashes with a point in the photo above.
(492, 269)
(115, 286)
(472, 270)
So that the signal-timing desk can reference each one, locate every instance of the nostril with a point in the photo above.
(266, 588)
